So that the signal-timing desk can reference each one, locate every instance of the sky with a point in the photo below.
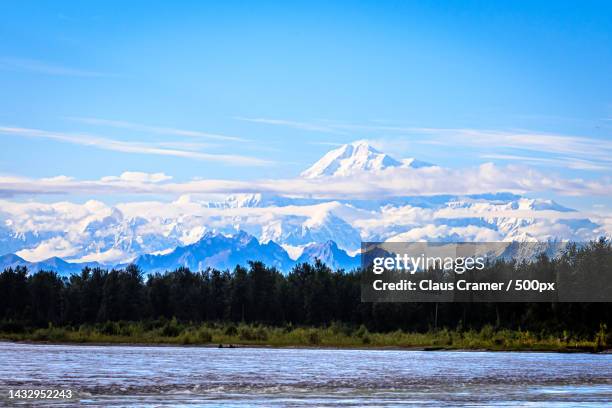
(240, 93)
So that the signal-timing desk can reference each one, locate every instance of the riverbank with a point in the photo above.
(335, 336)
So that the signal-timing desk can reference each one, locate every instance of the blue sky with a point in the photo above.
(242, 92)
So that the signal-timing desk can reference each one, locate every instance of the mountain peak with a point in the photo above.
(349, 158)
(356, 157)
(329, 253)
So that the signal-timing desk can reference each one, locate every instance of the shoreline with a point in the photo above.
(303, 347)
(174, 333)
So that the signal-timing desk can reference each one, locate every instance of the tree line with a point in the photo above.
(310, 294)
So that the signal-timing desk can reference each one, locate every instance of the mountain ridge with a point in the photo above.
(213, 250)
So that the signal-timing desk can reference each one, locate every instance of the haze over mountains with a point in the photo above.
(196, 232)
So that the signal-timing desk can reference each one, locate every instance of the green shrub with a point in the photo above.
(487, 332)
(204, 336)
(361, 331)
(110, 328)
(313, 337)
(250, 334)
(231, 330)
(172, 328)
(50, 334)
(339, 328)
(601, 338)
(186, 338)
(126, 329)
(40, 335)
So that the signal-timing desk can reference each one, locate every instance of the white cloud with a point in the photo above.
(156, 129)
(111, 256)
(57, 179)
(391, 182)
(56, 246)
(138, 176)
(62, 217)
(433, 232)
(130, 147)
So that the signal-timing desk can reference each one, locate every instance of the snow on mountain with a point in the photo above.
(238, 201)
(526, 252)
(157, 227)
(515, 203)
(94, 231)
(125, 236)
(218, 251)
(355, 157)
(329, 253)
(301, 230)
(414, 163)
(12, 240)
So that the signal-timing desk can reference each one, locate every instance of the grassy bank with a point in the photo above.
(173, 332)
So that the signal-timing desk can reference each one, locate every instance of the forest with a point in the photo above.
(310, 295)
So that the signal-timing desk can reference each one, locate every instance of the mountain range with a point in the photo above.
(212, 250)
(198, 232)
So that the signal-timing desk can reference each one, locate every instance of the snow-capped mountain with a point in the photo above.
(320, 226)
(212, 250)
(218, 251)
(355, 157)
(110, 235)
(329, 253)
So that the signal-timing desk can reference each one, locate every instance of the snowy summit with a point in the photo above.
(355, 157)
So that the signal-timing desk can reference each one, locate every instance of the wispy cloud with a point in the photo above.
(315, 127)
(130, 147)
(539, 148)
(574, 152)
(333, 127)
(589, 148)
(567, 162)
(46, 68)
(155, 129)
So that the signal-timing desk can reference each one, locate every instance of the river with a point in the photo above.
(152, 376)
